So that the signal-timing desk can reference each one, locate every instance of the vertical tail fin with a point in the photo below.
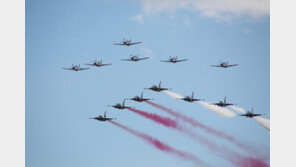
(123, 103)
(105, 114)
(142, 95)
(159, 84)
(192, 95)
(225, 99)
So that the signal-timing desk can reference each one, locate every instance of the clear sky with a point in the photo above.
(59, 102)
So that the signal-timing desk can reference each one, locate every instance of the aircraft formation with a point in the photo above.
(156, 88)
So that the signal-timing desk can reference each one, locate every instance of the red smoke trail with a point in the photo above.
(157, 118)
(223, 152)
(161, 145)
(208, 129)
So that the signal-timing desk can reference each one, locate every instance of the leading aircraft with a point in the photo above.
(190, 99)
(120, 106)
(224, 65)
(139, 99)
(135, 58)
(127, 43)
(250, 114)
(97, 63)
(223, 103)
(75, 68)
(102, 118)
(173, 60)
(158, 88)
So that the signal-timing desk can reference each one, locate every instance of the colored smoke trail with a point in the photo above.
(219, 110)
(162, 146)
(249, 162)
(262, 121)
(157, 118)
(206, 128)
(221, 151)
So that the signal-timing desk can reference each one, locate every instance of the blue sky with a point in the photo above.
(59, 102)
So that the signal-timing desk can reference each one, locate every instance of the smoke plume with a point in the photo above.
(262, 121)
(162, 146)
(206, 128)
(219, 110)
(221, 151)
(173, 95)
(216, 109)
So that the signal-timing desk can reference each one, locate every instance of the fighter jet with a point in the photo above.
(250, 114)
(139, 99)
(173, 60)
(135, 58)
(127, 43)
(158, 88)
(223, 103)
(75, 68)
(120, 106)
(224, 65)
(190, 99)
(102, 118)
(97, 63)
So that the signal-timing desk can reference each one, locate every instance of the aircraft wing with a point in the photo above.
(229, 104)
(147, 99)
(168, 61)
(84, 68)
(215, 66)
(143, 58)
(232, 65)
(135, 43)
(118, 44)
(106, 64)
(182, 60)
(255, 115)
(126, 59)
(67, 68)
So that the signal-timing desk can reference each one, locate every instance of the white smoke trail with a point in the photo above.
(173, 95)
(238, 109)
(264, 122)
(219, 110)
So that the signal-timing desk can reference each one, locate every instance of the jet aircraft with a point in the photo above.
(98, 63)
(224, 65)
(190, 99)
(158, 88)
(120, 106)
(139, 99)
(127, 43)
(102, 118)
(135, 58)
(250, 114)
(173, 60)
(75, 68)
(223, 103)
